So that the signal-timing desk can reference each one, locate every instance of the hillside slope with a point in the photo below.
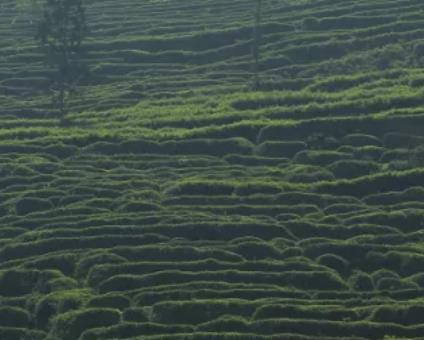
(179, 204)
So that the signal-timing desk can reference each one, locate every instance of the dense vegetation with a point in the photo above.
(179, 204)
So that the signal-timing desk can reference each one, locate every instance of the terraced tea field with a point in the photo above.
(180, 204)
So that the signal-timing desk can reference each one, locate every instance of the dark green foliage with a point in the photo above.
(186, 312)
(86, 263)
(70, 325)
(117, 301)
(361, 281)
(135, 315)
(57, 302)
(280, 149)
(360, 140)
(334, 262)
(320, 157)
(29, 205)
(14, 317)
(303, 312)
(353, 168)
(129, 329)
(404, 314)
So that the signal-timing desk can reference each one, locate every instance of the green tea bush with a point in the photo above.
(353, 168)
(29, 205)
(14, 317)
(130, 330)
(368, 153)
(361, 281)
(254, 160)
(257, 250)
(86, 263)
(225, 323)
(361, 140)
(405, 314)
(280, 149)
(307, 174)
(201, 188)
(215, 147)
(12, 333)
(320, 158)
(197, 312)
(135, 314)
(362, 186)
(335, 262)
(61, 150)
(57, 302)
(140, 146)
(116, 301)
(395, 155)
(291, 311)
(70, 325)
(394, 140)
(139, 206)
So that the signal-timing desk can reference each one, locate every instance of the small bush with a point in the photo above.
(334, 262)
(14, 317)
(280, 149)
(70, 325)
(320, 158)
(353, 168)
(117, 301)
(361, 281)
(135, 315)
(85, 264)
(29, 205)
(360, 140)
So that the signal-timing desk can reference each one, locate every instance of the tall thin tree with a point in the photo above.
(61, 32)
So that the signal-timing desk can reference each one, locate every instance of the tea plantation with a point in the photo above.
(181, 204)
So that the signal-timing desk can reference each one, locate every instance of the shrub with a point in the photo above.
(307, 174)
(196, 312)
(310, 24)
(335, 262)
(361, 281)
(368, 153)
(394, 140)
(215, 147)
(321, 158)
(14, 317)
(407, 315)
(253, 160)
(85, 264)
(70, 325)
(291, 311)
(140, 146)
(57, 302)
(132, 330)
(105, 148)
(225, 323)
(133, 207)
(360, 140)
(280, 149)
(257, 250)
(201, 188)
(29, 205)
(135, 315)
(61, 150)
(109, 301)
(353, 168)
